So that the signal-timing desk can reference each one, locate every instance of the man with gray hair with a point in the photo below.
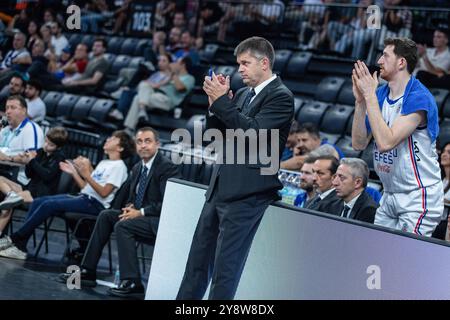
(349, 182)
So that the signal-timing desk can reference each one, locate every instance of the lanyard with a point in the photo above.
(13, 133)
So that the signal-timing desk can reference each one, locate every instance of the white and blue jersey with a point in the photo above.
(410, 172)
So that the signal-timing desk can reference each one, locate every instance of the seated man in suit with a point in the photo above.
(138, 220)
(349, 182)
(324, 169)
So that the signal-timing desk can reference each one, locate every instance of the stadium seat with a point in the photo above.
(51, 100)
(208, 54)
(114, 45)
(444, 133)
(88, 39)
(345, 144)
(100, 109)
(446, 108)
(298, 104)
(81, 109)
(335, 119)
(348, 130)
(66, 104)
(345, 96)
(121, 61)
(74, 39)
(441, 95)
(329, 137)
(129, 46)
(297, 65)
(281, 60)
(110, 57)
(313, 112)
(236, 82)
(135, 61)
(367, 155)
(328, 89)
(225, 70)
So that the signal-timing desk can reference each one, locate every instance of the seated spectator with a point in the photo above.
(42, 168)
(33, 34)
(19, 22)
(58, 41)
(291, 142)
(46, 36)
(349, 182)
(74, 68)
(138, 219)
(36, 107)
(151, 53)
(16, 87)
(167, 97)
(209, 19)
(158, 79)
(308, 139)
(96, 69)
(17, 59)
(324, 169)
(94, 13)
(98, 188)
(187, 49)
(174, 40)
(434, 63)
(439, 232)
(306, 183)
(20, 135)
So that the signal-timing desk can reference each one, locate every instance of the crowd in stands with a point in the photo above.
(39, 57)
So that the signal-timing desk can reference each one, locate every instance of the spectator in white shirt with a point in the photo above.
(434, 61)
(36, 107)
(59, 41)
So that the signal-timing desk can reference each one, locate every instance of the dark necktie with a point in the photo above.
(314, 201)
(346, 211)
(248, 98)
(141, 188)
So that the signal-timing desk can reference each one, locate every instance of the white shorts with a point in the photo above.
(418, 211)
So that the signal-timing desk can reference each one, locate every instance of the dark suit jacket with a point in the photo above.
(162, 169)
(272, 108)
(364, 208)
(330, 204)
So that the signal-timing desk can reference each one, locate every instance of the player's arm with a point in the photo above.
(360, 136)
(387, 137)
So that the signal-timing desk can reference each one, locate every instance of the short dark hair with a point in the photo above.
(334, 162)
(155, 133)
(187, 61)
(57, 135)
(102, 40)
(405, 48)
(309, 159)
(168, 56)
(126, 142)
(19, 76)
(35, 84)
(309, 127)
(257, 47)
(18, 97)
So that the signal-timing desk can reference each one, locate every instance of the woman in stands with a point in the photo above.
(42, 168)
(98, 188)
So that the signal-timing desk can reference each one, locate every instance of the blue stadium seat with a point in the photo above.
(100, 109)
(74, 39)
(129, 46)
(135, 61)
(110, 57)
(446, 108)
(297, 65)
(335, 119)
(345, 144)
(329, 137)
(345, 96)
(441, 95)
(81, 109)
(313, 112)
(88, 39)
(298, 104)
(444, 133)
(66, 104)
(208, 54)
(114, 45)
(51, 101)
(328, 89)
(225, 70)
(281, 59)
(120, 62)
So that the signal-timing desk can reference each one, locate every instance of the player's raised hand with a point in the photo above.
(366, 83)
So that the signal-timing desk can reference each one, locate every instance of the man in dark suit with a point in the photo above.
(238, 194)
(327, 201)
(137, 221)
(350, 181)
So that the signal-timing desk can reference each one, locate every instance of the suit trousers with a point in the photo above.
(220, 246)
(127, 233)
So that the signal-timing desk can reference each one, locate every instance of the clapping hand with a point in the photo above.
(68, 167)
(366, 84)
